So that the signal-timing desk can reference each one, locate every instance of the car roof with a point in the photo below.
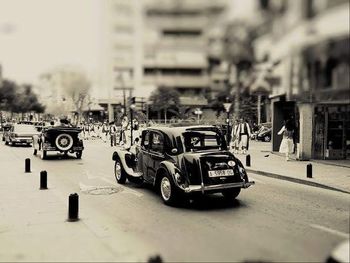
(177, 131)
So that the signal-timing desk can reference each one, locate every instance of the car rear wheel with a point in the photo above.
(231, 194)
(168, 191)
(35, 152)
(6, 143)
(119, 172)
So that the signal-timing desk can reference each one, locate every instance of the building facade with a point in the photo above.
(308, 43)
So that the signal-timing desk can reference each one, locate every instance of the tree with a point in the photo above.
(19, 99)
(239, 53)
(164, 99)
(76, 86)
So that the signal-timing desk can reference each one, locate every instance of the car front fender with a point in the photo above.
(122, 155)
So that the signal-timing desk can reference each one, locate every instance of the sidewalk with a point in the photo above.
(266, 163)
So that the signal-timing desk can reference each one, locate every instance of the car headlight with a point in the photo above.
(80, 136)
(178, 178)
(231, 163)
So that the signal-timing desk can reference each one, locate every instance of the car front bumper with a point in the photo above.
(206, 188)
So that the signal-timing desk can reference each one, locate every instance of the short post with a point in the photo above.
(43, 180)
(309, 170)
(27, 165)
(247, 160)
(73, 207)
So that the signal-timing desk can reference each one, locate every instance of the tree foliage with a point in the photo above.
(76, 86)
(19, 99)
(164, 99)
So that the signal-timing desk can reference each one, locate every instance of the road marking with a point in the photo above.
(329, 230)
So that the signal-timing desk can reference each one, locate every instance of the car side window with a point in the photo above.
(157, 144)
(145, 140)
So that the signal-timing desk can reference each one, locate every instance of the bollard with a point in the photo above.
(247, 160)
(27, 165)
(309, 170)
(155, 259)
(73, 207)
(43, 180)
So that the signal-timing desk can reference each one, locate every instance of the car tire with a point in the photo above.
(231, 194)
(6, 143)
(267, 138)
(79, 154)
(43, 155)
(119, 172)
(168, 191)
(64, 142)
(3, 139)
(35, 152)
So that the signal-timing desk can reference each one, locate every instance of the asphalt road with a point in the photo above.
(274, 220)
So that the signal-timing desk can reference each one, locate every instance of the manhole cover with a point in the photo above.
(100, 190)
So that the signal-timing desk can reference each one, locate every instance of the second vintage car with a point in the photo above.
(180, 161)
(60, 139)
(20, 134)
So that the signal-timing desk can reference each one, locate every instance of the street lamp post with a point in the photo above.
(227, 107)
(132, 107)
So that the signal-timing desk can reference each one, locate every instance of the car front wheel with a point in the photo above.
(119, 172)
(168, 191)
(231, 194)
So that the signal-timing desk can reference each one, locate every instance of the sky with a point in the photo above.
(37, 35)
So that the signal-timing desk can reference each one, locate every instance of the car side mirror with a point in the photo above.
(174, 151)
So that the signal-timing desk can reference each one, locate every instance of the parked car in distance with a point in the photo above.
(264, 132)
(181, 161)
(20, 134)
(60, 139)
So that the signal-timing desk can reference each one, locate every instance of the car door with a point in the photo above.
(144, 156)
(156, 154)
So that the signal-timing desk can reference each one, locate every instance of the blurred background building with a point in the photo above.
(307, 45)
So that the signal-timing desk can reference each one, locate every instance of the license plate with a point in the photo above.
(219, 173)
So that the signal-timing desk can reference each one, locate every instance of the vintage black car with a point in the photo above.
(59, 139)
(182, 161)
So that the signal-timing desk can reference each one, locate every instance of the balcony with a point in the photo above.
(177, 81)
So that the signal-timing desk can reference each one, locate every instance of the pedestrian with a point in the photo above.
(113, 133)
(124, 128)
(244, 134)
(104, 132)
(287, 144)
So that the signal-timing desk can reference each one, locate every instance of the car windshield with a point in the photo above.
(24, 129)
(203, 140)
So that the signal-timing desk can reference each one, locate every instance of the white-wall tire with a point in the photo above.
(64, 142)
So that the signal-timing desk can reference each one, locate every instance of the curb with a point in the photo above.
(296, 180)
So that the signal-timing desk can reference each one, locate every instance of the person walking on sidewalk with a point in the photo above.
(287, 144)
(244, 135)
(113, 133)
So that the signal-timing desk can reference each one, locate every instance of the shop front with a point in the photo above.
(332, 132)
